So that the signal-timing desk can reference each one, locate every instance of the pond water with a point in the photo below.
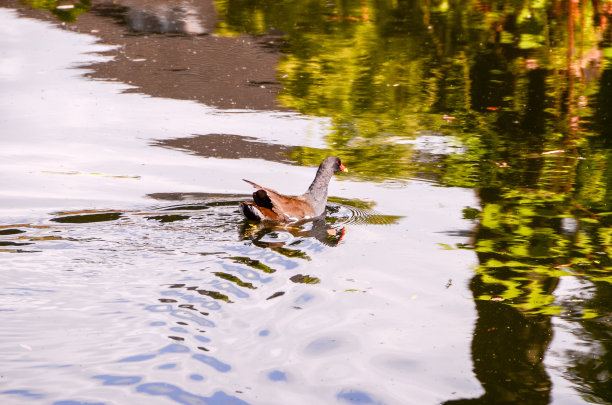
(465, 257)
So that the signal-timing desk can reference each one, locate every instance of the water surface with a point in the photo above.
(464, 259)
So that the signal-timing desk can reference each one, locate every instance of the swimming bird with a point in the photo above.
(269, 205)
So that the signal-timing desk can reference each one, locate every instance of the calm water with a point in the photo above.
(465, 258)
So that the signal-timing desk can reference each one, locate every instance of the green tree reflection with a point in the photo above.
(66, 11)
(510, 98)
(515, 100)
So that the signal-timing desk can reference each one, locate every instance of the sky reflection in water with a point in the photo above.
(145, 279)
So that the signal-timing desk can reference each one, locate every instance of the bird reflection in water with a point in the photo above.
(287, 239)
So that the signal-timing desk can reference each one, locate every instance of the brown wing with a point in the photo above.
(257, 186)
(251, 211)
(288, 207)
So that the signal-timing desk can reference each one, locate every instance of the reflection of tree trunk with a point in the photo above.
(573, 124)
(509, 344)
(534, 118)
(592, 366)
(508, 348)
(603, 113)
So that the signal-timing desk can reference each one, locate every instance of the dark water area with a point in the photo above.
(465, 258)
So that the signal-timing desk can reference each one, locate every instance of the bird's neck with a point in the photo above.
(317, 192)
(320, 182)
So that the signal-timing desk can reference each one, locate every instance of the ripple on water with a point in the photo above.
(354, 215)
(158, 283)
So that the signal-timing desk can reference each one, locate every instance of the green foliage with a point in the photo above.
(67, 11)
(234, 279)
(255, 264)
(523, 247)
(484, 95)
(468, 94)
(300, 278)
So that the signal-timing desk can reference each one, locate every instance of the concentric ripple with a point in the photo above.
(350, 214)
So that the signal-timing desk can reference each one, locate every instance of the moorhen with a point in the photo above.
(269, 205)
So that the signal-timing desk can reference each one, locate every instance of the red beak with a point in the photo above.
(343, 168)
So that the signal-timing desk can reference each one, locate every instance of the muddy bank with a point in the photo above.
(168, 49)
